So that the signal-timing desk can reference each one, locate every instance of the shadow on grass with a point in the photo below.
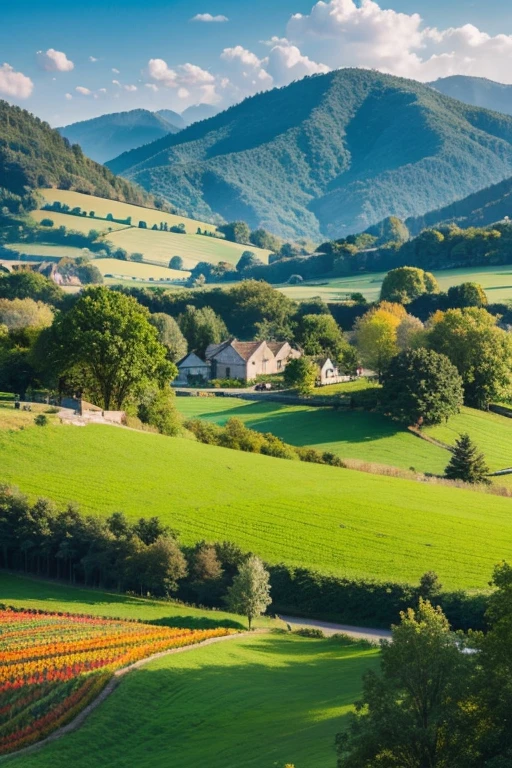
(196, 622)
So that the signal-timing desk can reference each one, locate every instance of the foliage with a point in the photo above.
(201, 327)
(41, 420)
(156, 408)
(481, 352)
(108, 343)
(405, 284)
(236, 231)
(301, 374)
(421, 387)
(265, 168)
(376, 338)
(176, 263)
(30, 285)
(55, 664)
(467, 295)
(410, 333)
(410, 713)
(23, 313)
(249, 594)
(170, 335)
(467, 463)
(321, 335)
(247, 260)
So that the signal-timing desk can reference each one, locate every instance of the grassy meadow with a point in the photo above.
(349, 434)
(138, 270)
(53, 252)
(328, 519)
(496, 281)
(251, 702)
(82, 224)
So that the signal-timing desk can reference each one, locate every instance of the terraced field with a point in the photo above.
(329, 519)
(349, 434)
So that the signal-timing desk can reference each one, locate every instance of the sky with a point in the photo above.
(72, 61)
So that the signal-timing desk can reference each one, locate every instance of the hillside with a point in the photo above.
(105, 137)
(174, 118)
(33, 155)
(198, 112)
(328, 519)
(477, 91)
(328, 155)
(479, 209)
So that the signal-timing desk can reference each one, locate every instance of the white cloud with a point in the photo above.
(102, 90)
(83, 91)
(151, 86)
(286, 63)
(68, 96)
(190, 74)
(130, 88)
(54, 61)
(158, 70)
(197, 82)
(366, 35)
(15, 83)
(93, 59)
(116, 82)
(115, 71)
(208, 18)
(183, 93)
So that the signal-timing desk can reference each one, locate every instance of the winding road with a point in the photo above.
(358, 633)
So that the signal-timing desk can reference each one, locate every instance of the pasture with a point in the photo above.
(102, 207)
(53, 252)
(348, 434)
(82, 224)
(162, 246)
(496, 281)
(328, 519)
(138, 270)
(250, 702)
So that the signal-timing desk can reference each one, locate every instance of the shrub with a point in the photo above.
(41, 420)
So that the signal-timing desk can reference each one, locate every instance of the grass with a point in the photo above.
(47, 251)
(251, 702)
(82, 224)
(329, 519)
(492, 434)
(15, 420)
(345, 388)
(349, 434)
(134, 269)
(102, 207)
(162, 246)
(497, 282)
(24, 592)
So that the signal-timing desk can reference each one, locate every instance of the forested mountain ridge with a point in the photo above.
(34, 155)
(477, 91)
(328, 155)
(107, 136)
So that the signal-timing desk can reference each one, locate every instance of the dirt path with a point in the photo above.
(111, 686)
(358, 633)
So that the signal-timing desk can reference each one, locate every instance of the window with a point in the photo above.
(228, 372)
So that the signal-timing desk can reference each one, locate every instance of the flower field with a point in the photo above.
(53, 665)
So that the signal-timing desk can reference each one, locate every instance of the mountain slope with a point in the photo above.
(33, 155)
(105, 137)
(485, 207)
(328, 155)
(198, 112)
(477, 91)
(174, 118)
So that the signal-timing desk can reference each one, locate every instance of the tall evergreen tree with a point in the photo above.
(467, 463)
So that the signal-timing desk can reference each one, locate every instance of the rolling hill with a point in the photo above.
(174, 118)
(328, 155)
(105, 137)
(477, 91)
(33, 155)
(328, 519)
(198, 112)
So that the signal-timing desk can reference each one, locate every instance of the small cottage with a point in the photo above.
(328, 373)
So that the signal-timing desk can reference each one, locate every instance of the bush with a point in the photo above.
(41, 420)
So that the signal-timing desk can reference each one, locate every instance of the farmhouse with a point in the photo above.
(233, 359)
(328, 372)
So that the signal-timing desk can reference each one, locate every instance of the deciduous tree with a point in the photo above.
(249, 594)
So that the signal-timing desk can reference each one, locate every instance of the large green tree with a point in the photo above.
(202, 327)
(321, 335)
(421, 385)
(108, 345)
(170, 335)
(481, 352)
(405, 284)
(467, 295)
(376, 337)
(249, 594)
(411, 713)
(300, 374)
(261, 311)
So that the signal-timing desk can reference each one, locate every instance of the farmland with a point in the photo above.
(496, 281)
(349, 434)
(329, 519)
(53, 252)
(82, 224)
(253, 702)
(137, 270)
(54, 665)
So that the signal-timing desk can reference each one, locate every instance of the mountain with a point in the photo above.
(105, 137)
(198, 112)
(33, 155)
(174, 118)
(477, 210)
(477, 91)
(328, 156)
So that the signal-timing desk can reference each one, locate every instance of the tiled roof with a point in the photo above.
(246, 348)
(276, 346)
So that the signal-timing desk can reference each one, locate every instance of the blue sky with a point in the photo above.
(165, 59)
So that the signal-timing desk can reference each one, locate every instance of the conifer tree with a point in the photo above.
(467, 463)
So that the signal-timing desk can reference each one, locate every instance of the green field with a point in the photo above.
(252, 702)
(497, 282)
(128, 269)
(24, 592)
(102, 207)
(491, 432)
(330, 519)
(82, 224)
(349, 434)
(48, 251)
(162, 246)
